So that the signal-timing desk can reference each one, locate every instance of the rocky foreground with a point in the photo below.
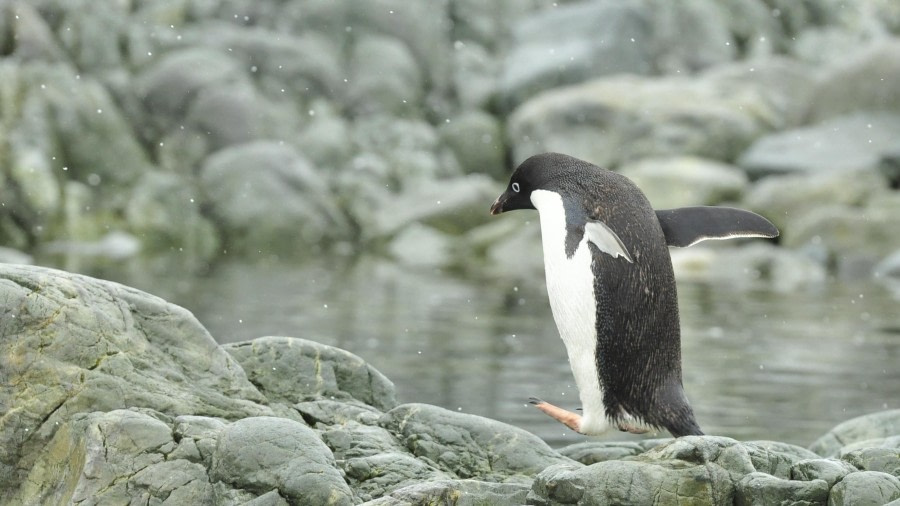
(112, 396)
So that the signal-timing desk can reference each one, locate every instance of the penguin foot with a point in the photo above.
(567, 418)
(633, 429)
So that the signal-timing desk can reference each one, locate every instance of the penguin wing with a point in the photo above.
(606, 240)
(687, 226)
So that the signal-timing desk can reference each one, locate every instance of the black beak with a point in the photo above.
(497, 206)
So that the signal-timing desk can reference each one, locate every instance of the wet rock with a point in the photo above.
(865, 487)
(876, 425)
(686, 181)
(591, 452)
(73, 344)
(761, 489)
(845, 143)
(469, 446)
(260, 454)
(283, 203)
(317, 371)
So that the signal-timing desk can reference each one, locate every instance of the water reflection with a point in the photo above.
(757, 364)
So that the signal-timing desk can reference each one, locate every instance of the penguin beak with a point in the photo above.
(497, 206)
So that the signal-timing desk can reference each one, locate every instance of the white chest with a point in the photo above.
(570, 286)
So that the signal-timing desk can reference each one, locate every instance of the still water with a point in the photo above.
(758, 364)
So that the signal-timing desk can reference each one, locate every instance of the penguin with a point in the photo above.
(612, 289)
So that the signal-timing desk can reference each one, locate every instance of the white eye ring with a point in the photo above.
(515, 187)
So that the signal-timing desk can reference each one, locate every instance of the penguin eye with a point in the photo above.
(515, 187)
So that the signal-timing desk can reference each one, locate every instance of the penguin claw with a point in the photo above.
(535, 401)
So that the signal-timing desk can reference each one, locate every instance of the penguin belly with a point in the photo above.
(570, 287)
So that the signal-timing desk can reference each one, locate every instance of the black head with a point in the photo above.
(540, 172)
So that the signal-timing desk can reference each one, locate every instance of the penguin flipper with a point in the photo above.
(687, 226)
(606, 240)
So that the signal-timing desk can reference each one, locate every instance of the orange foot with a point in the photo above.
(567, 418)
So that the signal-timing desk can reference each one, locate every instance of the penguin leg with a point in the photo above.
(567, 418)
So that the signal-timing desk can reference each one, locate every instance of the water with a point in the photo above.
(758, 364)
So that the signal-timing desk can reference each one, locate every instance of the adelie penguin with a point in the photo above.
(612, 290)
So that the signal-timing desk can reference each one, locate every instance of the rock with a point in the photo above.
(469, 446)
(865, 488)
(449, 205)
(846, 143)
(421, 246)
(614, 120)
(283, 204)
(457, 492)
(868, 80)
(73, 345)
(745, 267)
(476, 139)
(559, 46)
(829, 470)
(685, 181)
(776, 458)
(784, 199)
(885, 460)
(262, 453)
(384, 77)
(591, 452)
(887, 271)
(763, 489)
(115, 245)
(876, 425)
(475, 75)
(852, 238)
(164, 211)
(14, 256)
(318, 371)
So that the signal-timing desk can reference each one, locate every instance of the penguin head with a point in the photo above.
(539, 172)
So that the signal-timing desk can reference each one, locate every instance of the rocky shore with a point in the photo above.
(110, 396)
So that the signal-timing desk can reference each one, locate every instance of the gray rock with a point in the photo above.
(449, 205)
(887, 271)
(763, 489)
(476, 139)
(263, 453)
(686, 181)
(283, 203)
(617, 119)
(114, 457)
(421, 246)
(786, 198)
(829, 470)
(853, 239)
(845, 143)
(456, 492)
(867, 80)
(84, 345)
(876, 425)
(384, 77)
(591, 452)
(164, 211)
(865, 488)
(317, 371)
(469, 446)
(885, 460)
(776, 458)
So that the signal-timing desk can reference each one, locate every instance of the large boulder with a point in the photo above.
(866, 427)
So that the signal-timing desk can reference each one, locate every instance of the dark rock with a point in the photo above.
(293, 370)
